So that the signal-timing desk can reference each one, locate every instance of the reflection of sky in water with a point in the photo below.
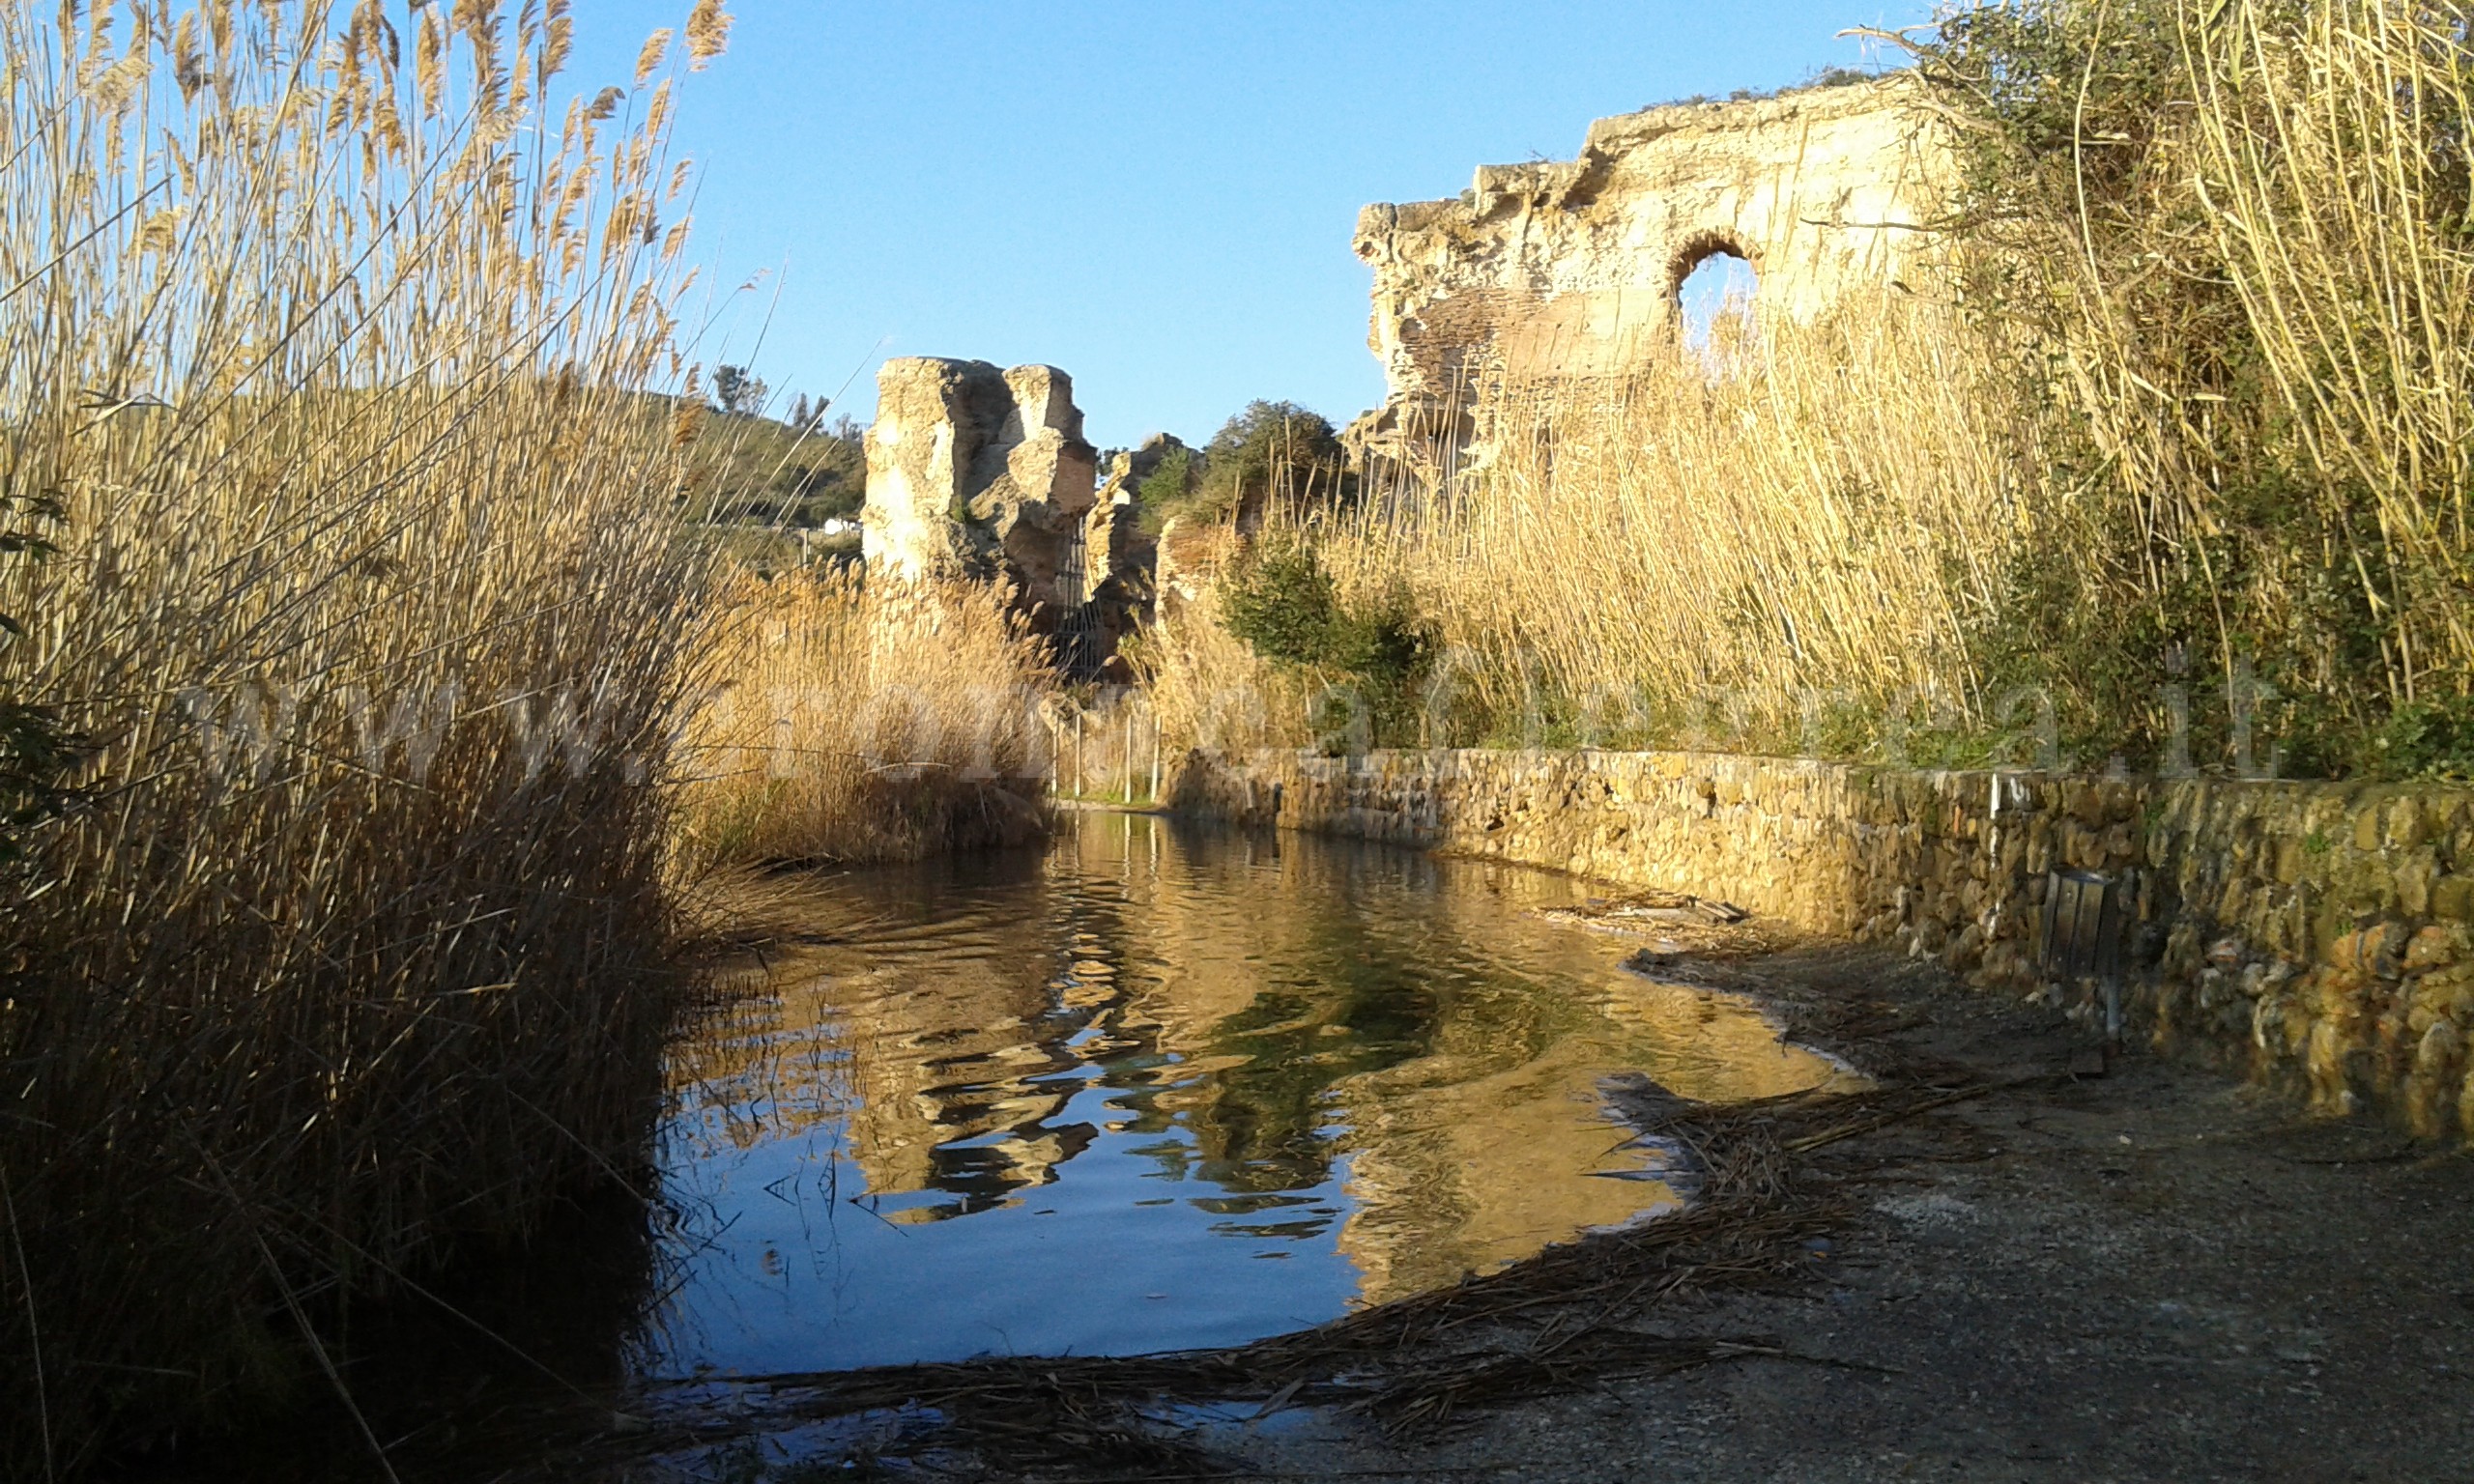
(1158, 1090)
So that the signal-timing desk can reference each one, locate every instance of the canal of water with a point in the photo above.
(1158, 1087)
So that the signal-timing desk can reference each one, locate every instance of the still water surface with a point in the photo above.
(1157, 1088)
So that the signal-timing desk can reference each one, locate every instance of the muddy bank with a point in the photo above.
(2151, 1274)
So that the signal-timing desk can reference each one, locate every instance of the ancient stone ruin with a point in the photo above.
(1556, 273)
(982, 474)
(1123, 557)
(1570, 272)
(973, 472)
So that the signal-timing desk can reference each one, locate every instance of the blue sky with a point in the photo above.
(1155, 196)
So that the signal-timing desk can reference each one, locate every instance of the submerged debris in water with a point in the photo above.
(1677, 922)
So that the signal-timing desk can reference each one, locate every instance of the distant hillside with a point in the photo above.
(762, 490)
(757, 471)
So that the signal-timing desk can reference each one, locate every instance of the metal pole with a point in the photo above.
(1155, 755)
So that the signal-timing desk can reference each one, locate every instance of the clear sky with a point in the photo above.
(1156, 195)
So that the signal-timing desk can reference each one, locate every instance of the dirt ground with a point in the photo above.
(2144, 1273)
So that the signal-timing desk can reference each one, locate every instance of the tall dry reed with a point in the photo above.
(852, 721)
(2166, 457)
(1209, 690)
(1800, 542)
(2236, 229)
(1790, 553)
(324, 324)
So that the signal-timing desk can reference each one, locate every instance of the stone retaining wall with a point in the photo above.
(2310, 935)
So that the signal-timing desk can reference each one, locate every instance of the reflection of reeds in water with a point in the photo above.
(1261, 1010)
(915, 1029)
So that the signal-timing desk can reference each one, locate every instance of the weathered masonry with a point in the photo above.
(1571, 271)
(2319, 936)
(973, 470)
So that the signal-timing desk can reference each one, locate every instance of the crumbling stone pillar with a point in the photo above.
(980, 474)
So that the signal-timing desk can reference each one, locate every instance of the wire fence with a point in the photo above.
(1106, 750)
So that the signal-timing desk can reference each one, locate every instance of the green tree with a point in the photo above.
(736, 391)
(1168, 484)
(1280, 600)
(1274, 450)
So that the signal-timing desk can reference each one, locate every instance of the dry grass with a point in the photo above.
(2328, 155)
(2166, 457)
(2240, 243)
(1739, 559)
(1209, 690)
(856, 722)
(1789, 556)
(325, 328)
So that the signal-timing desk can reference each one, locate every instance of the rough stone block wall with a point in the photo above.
(2313, 936)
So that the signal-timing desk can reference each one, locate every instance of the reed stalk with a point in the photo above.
(2159, 452)
(856, 721)
(326, 326)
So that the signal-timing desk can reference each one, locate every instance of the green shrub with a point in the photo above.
(2232, 235)
(1284, 605)
(1271, 451)
(1167, 489)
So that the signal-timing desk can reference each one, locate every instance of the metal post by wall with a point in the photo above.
(1078, 646)
(2084, 917)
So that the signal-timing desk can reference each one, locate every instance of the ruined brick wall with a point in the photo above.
(1571, 269)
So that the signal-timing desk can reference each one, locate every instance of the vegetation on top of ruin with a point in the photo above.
(1168, 487)
(1269, 452)
(1818, 80)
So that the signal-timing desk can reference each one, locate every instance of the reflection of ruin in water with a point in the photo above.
(1192, 1051)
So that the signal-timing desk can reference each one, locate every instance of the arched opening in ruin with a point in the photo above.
(1715, 285)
